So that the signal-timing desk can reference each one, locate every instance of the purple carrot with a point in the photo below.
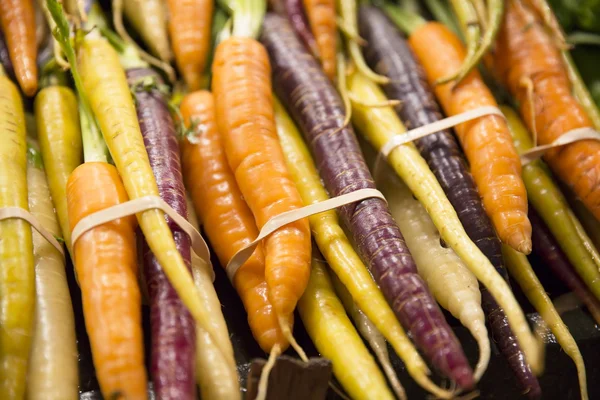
(545, 246)
(173, 331)
(297, 17)
(315, 105)
(389, 54)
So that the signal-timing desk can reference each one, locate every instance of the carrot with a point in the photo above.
(5, 57)
(149, 19)
(18, 24)
(105, 83)
(53, 370)
(334, 336)
(495, 164)
(521, 271)
(529, 63)
(216, 376)
(106, 266)
(369, 332)
(172, 327)
(317, 108)
(17, 275)
(378, 125)
(449, 280)
(225, 216)
(552, 206)
(389, 53)
(338, 251)
(295, 12)
(321, 16)
(590, 224)
(59, 136)
(189, 30)
(244, 111)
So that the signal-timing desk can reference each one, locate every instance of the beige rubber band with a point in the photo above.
(135, 206)
(569, 137)
(288, 217)
(437, 126)
(21, 213)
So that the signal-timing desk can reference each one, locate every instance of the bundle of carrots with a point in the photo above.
(274, 110)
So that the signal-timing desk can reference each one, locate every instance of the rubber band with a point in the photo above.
(437, 126)
(21, 213)
(135, 206)
(288, 217)
(572, 136)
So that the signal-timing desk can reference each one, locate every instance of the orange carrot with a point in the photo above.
(18, 24)
(487, 142)
(531, 66)
(225, 216)
(106, 266)
(322, 19)
(244, 104)
(189, 29)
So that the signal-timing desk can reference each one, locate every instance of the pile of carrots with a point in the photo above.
(235, 112)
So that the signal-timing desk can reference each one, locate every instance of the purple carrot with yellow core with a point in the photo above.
(318, 110)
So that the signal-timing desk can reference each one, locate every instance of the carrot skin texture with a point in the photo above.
(106, 266)
(17, 271)
(18, 24)
(487, 143)
(390, 55)
(321, 15)
(318, 111)
(297, 16)
(221, 208)
(59, 136)
(545, 245)
(243, 100)
(189, 28)
(53, 362)
(173, 330)
(525, 50)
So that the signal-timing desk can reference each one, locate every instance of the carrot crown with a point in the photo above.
(247, 16)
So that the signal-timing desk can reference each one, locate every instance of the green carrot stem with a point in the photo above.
(247, 16)
(406, 20)
(94, 148)
(441, 12)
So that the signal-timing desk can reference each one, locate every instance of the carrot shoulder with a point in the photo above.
(226, 218)
(527, 56)
(106, 265)
(487, 143)
(18, 24)
(244, 104)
